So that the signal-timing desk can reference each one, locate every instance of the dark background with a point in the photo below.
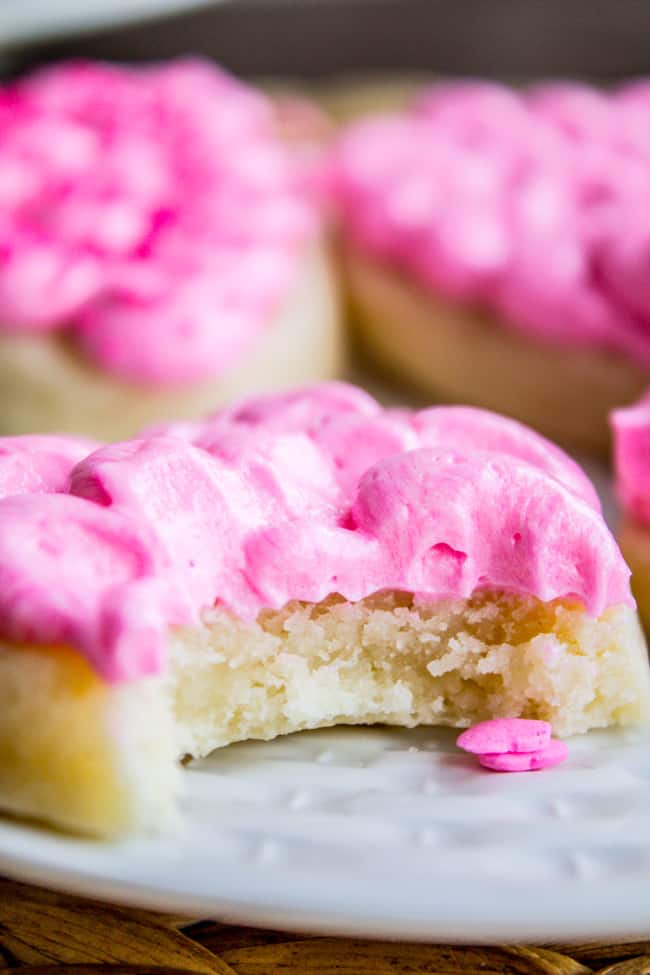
(311, 38)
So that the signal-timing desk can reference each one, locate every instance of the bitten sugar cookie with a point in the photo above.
(296, 561)
(161, 249)
(496, 248)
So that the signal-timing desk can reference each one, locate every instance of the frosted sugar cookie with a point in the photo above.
(161, 249)
(296, 561)
(496, 249)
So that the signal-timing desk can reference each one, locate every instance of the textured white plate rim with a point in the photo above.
(417, 906)
(291, 915)
(628, 924)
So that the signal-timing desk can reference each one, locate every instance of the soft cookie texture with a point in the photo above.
(497, 251)
(160, 248)
(294, 561)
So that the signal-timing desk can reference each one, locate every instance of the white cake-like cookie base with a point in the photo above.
(48, 387)
(459, 354)
(103, 759)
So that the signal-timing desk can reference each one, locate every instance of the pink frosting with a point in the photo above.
(153, 213)
(530, 205)
(284, 497)
(39, 463)
(631, 427)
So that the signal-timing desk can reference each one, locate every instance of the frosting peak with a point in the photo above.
(293, 496)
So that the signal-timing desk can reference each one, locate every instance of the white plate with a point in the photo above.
(385, 832)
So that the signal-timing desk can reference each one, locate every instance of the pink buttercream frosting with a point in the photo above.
(292, 496)
(153, 213)
(531, 205)
(631, 427)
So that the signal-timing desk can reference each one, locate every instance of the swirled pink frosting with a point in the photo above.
(285, 497)
(531, 205)
(631, 427)
(153, 213)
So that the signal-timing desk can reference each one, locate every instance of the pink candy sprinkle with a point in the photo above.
(503, 735)
(554, 753)
(513, 745)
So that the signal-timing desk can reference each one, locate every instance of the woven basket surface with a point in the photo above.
(41, 931)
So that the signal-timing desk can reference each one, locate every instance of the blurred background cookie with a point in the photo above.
(163, 247)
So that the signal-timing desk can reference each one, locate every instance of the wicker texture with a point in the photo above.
(45, 933)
